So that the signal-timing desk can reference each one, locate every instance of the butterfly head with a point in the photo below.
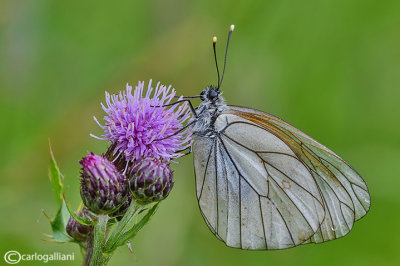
(210, 93)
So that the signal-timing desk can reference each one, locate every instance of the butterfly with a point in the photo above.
(262, 184)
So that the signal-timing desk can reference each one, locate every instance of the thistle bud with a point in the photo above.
(122, 210)
(77, 231)
(103, 187)
(150, 180)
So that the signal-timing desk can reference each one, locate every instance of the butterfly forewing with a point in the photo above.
(263, 184)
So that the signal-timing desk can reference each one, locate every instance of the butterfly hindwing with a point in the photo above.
(345, 193)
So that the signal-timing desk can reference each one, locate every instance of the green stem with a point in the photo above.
(98, 241)
(122, 225)
(89, 249)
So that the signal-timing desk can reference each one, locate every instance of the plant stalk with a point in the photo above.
(94, 254)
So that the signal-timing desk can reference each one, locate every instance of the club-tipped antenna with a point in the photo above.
(231, 28)
(215, 57)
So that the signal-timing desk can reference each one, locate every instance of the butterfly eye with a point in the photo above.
(212, 95)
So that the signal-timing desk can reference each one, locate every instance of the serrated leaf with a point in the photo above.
(59, 222)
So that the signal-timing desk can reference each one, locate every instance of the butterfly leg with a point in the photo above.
(176, 132)
(187, 97)
(180, 101)
(179, 117)
(189, 151)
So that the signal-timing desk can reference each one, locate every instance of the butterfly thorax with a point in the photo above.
(212, 105)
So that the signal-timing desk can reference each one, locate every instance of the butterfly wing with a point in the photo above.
(335, 176)
(263, 184)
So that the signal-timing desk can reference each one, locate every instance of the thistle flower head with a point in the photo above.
(139, 126)
(103, 187)
(150, 180)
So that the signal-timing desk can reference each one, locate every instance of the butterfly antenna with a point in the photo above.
(215, 57)
(226, 52)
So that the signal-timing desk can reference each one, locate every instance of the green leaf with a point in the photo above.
(56, 178)
(78, 218)
(60, 220)
(131, 233)
(58, 225)
(122, 226)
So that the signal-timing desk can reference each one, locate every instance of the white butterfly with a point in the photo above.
(263, 184)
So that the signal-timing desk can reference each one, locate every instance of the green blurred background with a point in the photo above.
(331, 68)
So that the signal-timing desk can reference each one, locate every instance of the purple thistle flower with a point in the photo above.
(139, 128)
